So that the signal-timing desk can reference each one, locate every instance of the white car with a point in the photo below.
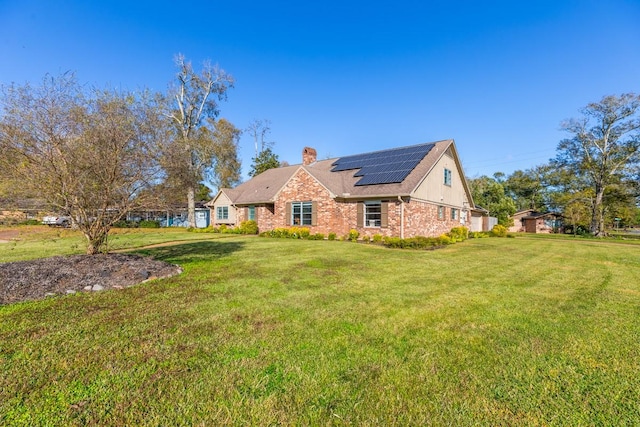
(57, 221)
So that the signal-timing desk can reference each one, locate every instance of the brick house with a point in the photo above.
(410, 191)
(531, 221)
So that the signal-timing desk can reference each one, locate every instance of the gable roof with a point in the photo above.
(346, 183)
(533, 214)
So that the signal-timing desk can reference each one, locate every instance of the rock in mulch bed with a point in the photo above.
(37, 279)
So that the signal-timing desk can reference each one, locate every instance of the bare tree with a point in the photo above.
(264, 158)
(195, 98)
(89, 154)
(604, 148)
(259, 129)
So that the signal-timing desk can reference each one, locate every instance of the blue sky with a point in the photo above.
(350, 77)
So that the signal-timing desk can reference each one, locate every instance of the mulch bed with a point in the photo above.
(41, 278)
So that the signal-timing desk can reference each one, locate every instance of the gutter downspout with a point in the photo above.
(401, 217)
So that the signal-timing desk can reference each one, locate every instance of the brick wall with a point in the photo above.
(303, 187)
(420, 218)
(264, 217)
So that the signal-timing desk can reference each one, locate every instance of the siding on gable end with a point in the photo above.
(434, 190)
(223, 200)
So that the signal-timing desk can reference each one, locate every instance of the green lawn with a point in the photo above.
(523, 331)
(40, 241)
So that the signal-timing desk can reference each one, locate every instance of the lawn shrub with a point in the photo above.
(459, 234)
(332, 236)
(443, 240)
(149, 223)
(417, 242)
(277, 233)
(317, 236)
(499, 231)
(377, 238)
(353, 235)
(209, 229)
(287, 233)
(299, 233)
(248, 227)
(478, 235)
(393, 242)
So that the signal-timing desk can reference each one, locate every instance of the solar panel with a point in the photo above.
(383, 167)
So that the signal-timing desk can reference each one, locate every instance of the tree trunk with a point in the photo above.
(191, 200)
(597, 214)
(96, 242)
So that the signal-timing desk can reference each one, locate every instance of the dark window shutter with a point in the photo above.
(314, 213)
(287, 219)
(384, 214)
(246, 214)
(360, 214)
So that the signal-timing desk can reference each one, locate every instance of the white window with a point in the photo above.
(454, 213)
(373, 214)
(301, 213)
(441, 212)
(222, 212)
(251, 213)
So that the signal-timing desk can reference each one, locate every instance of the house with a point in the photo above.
(531, 221)
(418, 190)
(174, 216)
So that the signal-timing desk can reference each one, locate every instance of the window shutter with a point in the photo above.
(246, 213)
(384, 214)
(287, 219)
(360, 214)
(314, 213)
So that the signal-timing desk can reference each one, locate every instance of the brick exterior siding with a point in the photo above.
(339, 216)
(421, 219)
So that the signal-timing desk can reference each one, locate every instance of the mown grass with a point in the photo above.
(267, 331)
(41, 241)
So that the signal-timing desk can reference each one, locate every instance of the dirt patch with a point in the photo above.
(37, 279)
(7, 235)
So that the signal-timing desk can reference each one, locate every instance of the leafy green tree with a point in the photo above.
(265, 160)
(226, 169)
(490, 194)
(527, 188)
(203, 194)
(604, 148)
(620, 201)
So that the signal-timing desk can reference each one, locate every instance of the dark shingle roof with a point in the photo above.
(341, 183)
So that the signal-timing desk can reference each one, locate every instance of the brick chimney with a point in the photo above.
(309, 156)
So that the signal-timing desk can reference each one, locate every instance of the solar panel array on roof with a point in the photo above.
(383, 167)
